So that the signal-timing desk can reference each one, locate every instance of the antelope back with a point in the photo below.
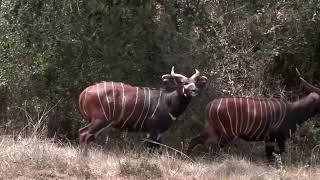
(246, 117)
(120, 104)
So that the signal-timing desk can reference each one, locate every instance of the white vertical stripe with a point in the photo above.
(277, 113)
(260, 121)
(97, 85)
(144, 102)
(254, 117)
(235, 106)
(270, 115)
(210, 113)
(114, 100)
(278, 120)
(224, 130)
(241, 114)
(147, 109)
(266, 118)
(105, 89)
(230, 120)
(85, 94)
(274, 116)
(283, 114)
(83, 101)
(123, 104)
(157, 105)
(248, 116)
(134, 107)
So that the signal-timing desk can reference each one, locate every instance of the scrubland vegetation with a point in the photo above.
(51, 50)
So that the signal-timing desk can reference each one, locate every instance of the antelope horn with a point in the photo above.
(177, 75)
(308, 85)
(165, 77)
(172, 70)
(195, 74)
(204, 77)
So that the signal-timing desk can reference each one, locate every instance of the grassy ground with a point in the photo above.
(34, 158)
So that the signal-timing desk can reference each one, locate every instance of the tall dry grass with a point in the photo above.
(29, 155)
(37, 158)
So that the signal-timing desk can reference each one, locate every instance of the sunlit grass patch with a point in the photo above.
(37, 158)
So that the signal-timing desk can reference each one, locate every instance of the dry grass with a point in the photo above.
(34, 158)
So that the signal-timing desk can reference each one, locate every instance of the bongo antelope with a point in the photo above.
(256, 119)
(139, 109)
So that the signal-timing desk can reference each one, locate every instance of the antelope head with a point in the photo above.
(185, 86)
(314, 91)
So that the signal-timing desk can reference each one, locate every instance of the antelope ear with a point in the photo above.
(202, 82)
(202, 79)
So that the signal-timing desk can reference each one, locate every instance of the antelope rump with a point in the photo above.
(132, 108)
(256, 119)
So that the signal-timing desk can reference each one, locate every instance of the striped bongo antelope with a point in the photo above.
(123, 106)
(256, 119)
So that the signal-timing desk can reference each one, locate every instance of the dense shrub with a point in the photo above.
(51, 50)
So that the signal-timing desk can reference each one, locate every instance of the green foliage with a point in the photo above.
(51, 50)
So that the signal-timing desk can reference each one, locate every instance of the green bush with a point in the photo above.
(51, 50)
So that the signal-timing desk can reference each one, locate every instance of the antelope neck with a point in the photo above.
(176, 103)
(302, 110)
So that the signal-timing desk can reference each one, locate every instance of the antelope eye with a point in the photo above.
(185, 83)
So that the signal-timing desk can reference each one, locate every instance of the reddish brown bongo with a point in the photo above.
(256, 119)
(123, 106)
